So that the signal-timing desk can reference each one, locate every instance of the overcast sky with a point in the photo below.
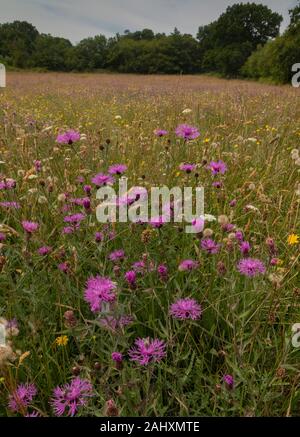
(77, 19)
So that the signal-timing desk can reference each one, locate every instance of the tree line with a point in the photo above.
(244, 40)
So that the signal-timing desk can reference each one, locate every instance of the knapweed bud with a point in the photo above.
(110, 409)
(117, 357)
(87, 204)
(221, 268)
(245, 248)
(87, 189)
(70, 319)
(2, 262)
(98, 237)
(97, 366)
(229, 381)
(271, 246)
(239, 235)
(162, 270)
(117, 270)
(76, 370)
(130, 277)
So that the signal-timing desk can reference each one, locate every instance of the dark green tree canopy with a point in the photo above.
(91, 53)
(52, 53)
(243, 40)
(17, 43)
(295, 15)
(275, 60)
(239, 31)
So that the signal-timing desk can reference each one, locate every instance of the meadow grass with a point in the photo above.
(246, 325)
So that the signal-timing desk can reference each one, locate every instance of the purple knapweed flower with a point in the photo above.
(160, 132)
(228, 227)
(130, 277)
(229, 381)
(30, 227)
(117, 357)
(239, 236)
(188, 264)
(186, 309)
(12, 205)
(74, 218)
(245, 247)
(86, 203)
(70, 397)
(37, 165)
(251, 267)
(33, 414)
(102, 179)
(44, 250)
(188, 168)
(99, 237)
(158, 222)
(64, 267)
(117, 255)
(98, 290)
(162, 270)
(210, 246)
(146, 351)
(218, 167)
(139, 266)
(69, 137)
(20, 398)
(67, 230)
(7, 184)
(117, 169)
(87, 189)
(78, 201)
(187, 132)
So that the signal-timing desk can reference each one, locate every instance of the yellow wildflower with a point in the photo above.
(62, 340)
(293, 239)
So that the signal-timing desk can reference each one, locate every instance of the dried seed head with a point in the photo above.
(207, 233)
(280, 372)
(223, 219)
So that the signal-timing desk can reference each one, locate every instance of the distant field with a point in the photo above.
(228, 351)
(145, 83)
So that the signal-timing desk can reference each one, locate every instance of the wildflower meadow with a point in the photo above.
(142, 318)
